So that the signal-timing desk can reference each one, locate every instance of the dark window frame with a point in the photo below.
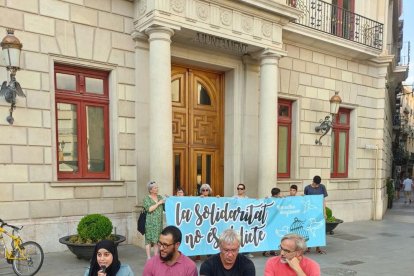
(285, 121)
(82, 100)
(338, 128)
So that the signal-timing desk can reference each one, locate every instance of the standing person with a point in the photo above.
(407, 185)
(241, 191)
(153, 204)
(170, 260)
(293, 190)
(291, 261)
(316, 188)
(179, 192)
(205, 190)
(228, 262)
(105, 261)
(275, 193)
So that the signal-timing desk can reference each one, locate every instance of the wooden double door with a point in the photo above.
(197, 123)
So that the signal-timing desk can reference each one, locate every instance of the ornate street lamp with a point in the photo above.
(11, 48)
(326, 124)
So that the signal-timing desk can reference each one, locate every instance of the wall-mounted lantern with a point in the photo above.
(326, 124)
(11, 48)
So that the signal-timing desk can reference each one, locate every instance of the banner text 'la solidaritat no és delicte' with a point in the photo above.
(261, 223)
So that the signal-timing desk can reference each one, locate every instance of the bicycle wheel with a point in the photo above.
(29, 260)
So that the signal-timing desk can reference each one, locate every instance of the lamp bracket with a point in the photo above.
(10, 91)
(324, 127)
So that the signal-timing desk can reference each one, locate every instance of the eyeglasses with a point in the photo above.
(232, 251)
(240, 188)
(287, 251)
(205, 190)
(164, 245)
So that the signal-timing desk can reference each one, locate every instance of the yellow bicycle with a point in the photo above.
(25, 257)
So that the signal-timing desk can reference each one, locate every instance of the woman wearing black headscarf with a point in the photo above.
(105, 261)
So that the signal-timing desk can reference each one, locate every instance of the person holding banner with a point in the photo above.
(229, 262)
(170, 261)
(153, 204)
(275, 193)
(291, 261)
(316, 188)
(241, 191)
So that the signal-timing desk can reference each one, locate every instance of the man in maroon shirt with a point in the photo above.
(170, 261)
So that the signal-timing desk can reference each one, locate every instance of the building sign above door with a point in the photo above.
(216, 42)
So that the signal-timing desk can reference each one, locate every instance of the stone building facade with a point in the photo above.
(189, 91)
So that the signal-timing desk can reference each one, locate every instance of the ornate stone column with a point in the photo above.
(160, 109)
(269, 76)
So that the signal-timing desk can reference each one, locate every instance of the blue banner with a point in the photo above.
(261, 222)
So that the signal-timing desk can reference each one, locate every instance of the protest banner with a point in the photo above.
(260, 222)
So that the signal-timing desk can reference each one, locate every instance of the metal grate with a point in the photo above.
(335, 20)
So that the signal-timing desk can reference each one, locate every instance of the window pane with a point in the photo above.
(94, 85)
(282, 150)
(342, 153)
(208, 169)
(203, 97)
(65, 82)
(177, 170)
(283, 111)
(343, 118)
(175, 90)
(67, 137)
(95, 139)
(199, 168)
(332, 151)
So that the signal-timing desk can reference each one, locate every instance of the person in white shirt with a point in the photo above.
(407, 184)
(241, 191)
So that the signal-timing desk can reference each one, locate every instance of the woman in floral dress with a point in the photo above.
(153, 204)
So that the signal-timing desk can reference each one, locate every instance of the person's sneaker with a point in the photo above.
(250, 255)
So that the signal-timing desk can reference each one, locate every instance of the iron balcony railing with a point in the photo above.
(331, 19)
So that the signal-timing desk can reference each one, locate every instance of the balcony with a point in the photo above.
(334, 20)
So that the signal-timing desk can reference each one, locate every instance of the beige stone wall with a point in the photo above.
(310, 77)
(91, 33)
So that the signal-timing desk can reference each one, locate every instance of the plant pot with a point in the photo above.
(85, 251)
(330, 226)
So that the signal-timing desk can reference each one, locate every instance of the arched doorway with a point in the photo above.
(197, 101)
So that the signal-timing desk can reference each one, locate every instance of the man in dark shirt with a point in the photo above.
(229, 262)
(316, 188)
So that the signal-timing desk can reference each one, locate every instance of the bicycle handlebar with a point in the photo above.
(9, 225)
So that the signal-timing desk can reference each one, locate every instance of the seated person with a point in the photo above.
(229, 261)
(105, 261)
(291, 261)
(170, 261)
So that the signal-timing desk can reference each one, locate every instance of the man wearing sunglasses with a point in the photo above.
(241, 191)
(291, 261)
(170, 261)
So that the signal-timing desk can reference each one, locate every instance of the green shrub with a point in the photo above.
(328, 212)
(329, 216)
(93, 228)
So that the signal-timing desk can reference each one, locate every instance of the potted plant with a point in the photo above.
(331, 221)
(91, 229)
(390, 192)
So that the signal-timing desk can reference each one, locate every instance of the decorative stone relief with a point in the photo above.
(178, 5)
(267, 29)
(142, 7)
(247, 24)
(202, 11)
(226, 17)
